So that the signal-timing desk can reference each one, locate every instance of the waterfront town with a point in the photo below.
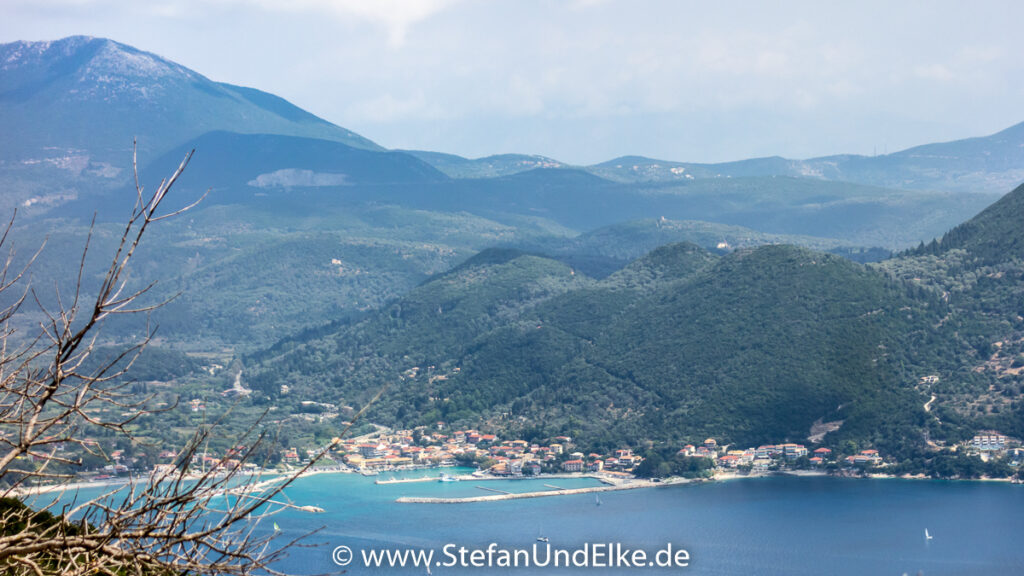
(388, 450)
(520, 458)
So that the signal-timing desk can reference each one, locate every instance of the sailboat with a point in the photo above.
(276, 528)
(597, 500)
(541, 537)
(927, 536)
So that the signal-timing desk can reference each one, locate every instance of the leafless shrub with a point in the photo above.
(182, 518)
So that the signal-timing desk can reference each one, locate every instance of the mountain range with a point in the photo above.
(984, 164)
(71, 108)
(628, 301)
(989, 164)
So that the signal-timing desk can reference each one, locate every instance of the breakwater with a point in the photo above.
(476, 478)
(522, 495)
(408, 480)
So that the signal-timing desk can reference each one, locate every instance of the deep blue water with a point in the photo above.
(782, 525)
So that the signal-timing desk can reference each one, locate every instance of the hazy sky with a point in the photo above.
(585, 81)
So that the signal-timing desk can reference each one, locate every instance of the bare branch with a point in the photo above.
(180, 519)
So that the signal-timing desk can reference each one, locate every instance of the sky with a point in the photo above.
(584, 81)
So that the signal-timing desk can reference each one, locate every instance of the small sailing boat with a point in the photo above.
(276, 527)
(927, 536)
(541, 537)
(597, 500)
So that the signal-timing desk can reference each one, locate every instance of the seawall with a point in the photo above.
(496, 497)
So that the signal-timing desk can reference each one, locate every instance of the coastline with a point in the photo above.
(69, 487)
(266, 478)
(263, 477)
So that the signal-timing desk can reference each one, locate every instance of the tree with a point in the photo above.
(197, 517)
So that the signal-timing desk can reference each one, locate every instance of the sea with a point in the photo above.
(780, 525)
(775, 525)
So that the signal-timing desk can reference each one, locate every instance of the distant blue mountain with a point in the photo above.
(70, 108)
(992, 164)
(95, 94)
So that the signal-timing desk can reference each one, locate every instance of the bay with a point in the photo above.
(773, 526)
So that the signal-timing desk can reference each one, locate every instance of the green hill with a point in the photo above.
(978, 268)
(992, 236)
(604, 250)
(429, 327)
(751, 347)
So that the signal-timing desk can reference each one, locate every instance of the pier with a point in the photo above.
(513, 496)
(493, 490)
(409, 480)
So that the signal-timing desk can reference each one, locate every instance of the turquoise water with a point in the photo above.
(768, 526)
(785, 525)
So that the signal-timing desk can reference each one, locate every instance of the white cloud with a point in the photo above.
(585, 4)
(388, 108)
(934, 72)
(396, 16)
(979, 54)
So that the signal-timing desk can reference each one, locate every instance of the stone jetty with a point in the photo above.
(561, 492)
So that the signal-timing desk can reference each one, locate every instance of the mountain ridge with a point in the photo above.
(990, 163)
(85, 69)
(71, 108)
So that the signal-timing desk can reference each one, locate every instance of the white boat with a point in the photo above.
(446, 478)
(597, 500)
(542, 538)
(927, 536)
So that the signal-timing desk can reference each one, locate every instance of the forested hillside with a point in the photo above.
(754, 346)
(978, 268)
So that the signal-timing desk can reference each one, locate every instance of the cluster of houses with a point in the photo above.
(622, 461)
(519, 457)
(989, 441)
(425, 448)
(403, 449)
(770, 456)
(990, 444)
(505, 457)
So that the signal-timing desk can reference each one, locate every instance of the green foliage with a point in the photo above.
(752, 347)
(666, 462)
(954, 466)
(978, 268)
(155, 363)
(990, 236)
